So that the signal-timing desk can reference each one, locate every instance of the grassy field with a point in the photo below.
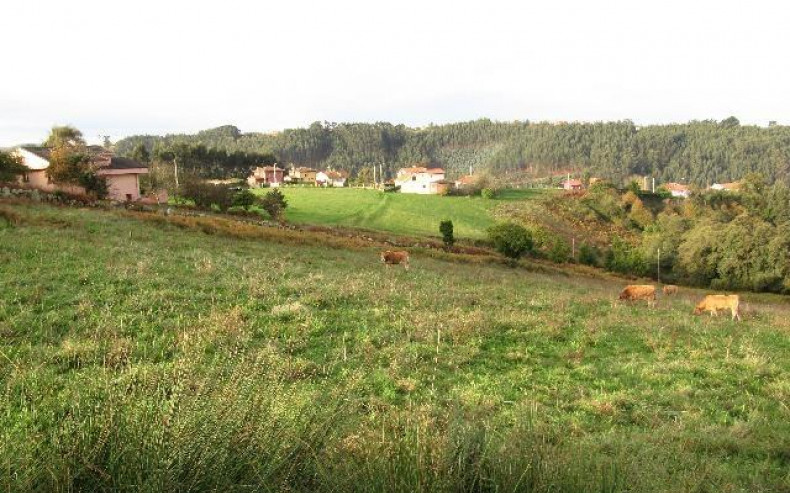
(137, 355)
(398, 213)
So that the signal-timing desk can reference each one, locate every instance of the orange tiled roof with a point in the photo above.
(677, 187)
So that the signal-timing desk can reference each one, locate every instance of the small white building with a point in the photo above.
(331, 178)
(421, 180)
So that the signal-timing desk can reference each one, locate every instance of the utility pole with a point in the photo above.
(375, 183)
(175, 168)
(573, 248)
(654, 185)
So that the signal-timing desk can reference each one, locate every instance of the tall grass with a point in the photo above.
(141, 354)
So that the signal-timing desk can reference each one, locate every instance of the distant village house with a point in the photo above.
(121, 174)
(678, 190)
(331, 178)
(465, 181)
(572, 184)
(263, 176)
(422, 180)
(302, 175)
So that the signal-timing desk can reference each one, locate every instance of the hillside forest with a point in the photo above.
(698, 152)
(717, 239)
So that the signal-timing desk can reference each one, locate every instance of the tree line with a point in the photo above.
(718, 239)
(698, 152)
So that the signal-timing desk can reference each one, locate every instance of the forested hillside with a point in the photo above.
(699, 152)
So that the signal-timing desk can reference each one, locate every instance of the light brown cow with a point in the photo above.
(635, 292)
(714, 302)
(669, 289)
(390, 257)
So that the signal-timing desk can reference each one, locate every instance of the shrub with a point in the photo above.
(625, 259)
(10, 167)
(588, 255)
(559, 251)
(92, 183)
(244, 199)
(206, 195)
(446, 228)
(488, 193)
(510, 239)
(274, 203)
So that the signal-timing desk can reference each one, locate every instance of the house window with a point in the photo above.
(413, 178)
(128, 197)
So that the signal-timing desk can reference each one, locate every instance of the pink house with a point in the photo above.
(121, 174)
(123, 177)
(266, 175)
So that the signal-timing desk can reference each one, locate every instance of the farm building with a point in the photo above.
(266, 175)
(678, 190)
(422, 180)
(121, 174)
(331, 178)
(572, 184)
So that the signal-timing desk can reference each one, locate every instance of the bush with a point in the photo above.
(10, 167)
(446, 228)
(274, 204)
(559, 251)
(510, 239)
(244, 199)
(625, 259)
(95, 184)
(588, 255)
(488, 193)
(206, 195)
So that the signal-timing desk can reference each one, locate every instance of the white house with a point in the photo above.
(422, 180)
(331, 178)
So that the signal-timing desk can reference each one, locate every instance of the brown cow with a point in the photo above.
(714, 302)
(390, 257)
(669, 289)
(635, 292)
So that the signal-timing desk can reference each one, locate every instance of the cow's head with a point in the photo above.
(699, 308)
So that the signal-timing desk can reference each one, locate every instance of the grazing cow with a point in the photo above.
(390, 257)
(635, 292)
(714, 302)
(669, 289)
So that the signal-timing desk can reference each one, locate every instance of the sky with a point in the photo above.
(154, 67)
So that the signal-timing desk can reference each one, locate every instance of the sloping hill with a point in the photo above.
(141, 354)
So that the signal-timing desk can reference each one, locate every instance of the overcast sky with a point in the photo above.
(122, 68)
